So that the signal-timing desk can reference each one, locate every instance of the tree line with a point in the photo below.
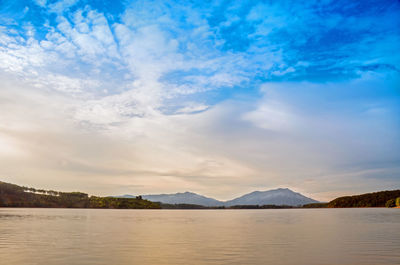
(16, 196)
(375, 199)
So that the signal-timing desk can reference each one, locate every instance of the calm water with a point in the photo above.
(119, 237)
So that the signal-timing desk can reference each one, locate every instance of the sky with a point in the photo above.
(219, 98)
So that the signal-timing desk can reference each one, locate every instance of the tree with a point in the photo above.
(390, 203)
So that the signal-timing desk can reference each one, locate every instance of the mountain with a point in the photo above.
(272, 197)
(185, 197)
(127, 196)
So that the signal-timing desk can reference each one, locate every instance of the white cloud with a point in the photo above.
(192, 107)
(62, 5)
(142, 52)
(271, 115)
(41, 3)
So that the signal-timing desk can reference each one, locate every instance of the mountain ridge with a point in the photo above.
(279, 196)
(183, 197)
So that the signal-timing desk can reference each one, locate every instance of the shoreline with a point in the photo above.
(206, 209)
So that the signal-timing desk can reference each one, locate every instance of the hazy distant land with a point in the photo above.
(279, 196)
(16, 196)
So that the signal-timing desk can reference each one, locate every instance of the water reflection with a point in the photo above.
(303, 236)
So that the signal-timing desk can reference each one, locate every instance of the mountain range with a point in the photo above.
(281, 196)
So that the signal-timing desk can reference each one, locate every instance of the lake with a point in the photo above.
(119, 237)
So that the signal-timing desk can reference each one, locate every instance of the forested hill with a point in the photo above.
(375, 199)
(16, 196)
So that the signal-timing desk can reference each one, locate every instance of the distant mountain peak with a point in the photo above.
(279, 196)
(188, 192)
(281, 189)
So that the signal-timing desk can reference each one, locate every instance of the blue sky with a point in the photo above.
(216, 97)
